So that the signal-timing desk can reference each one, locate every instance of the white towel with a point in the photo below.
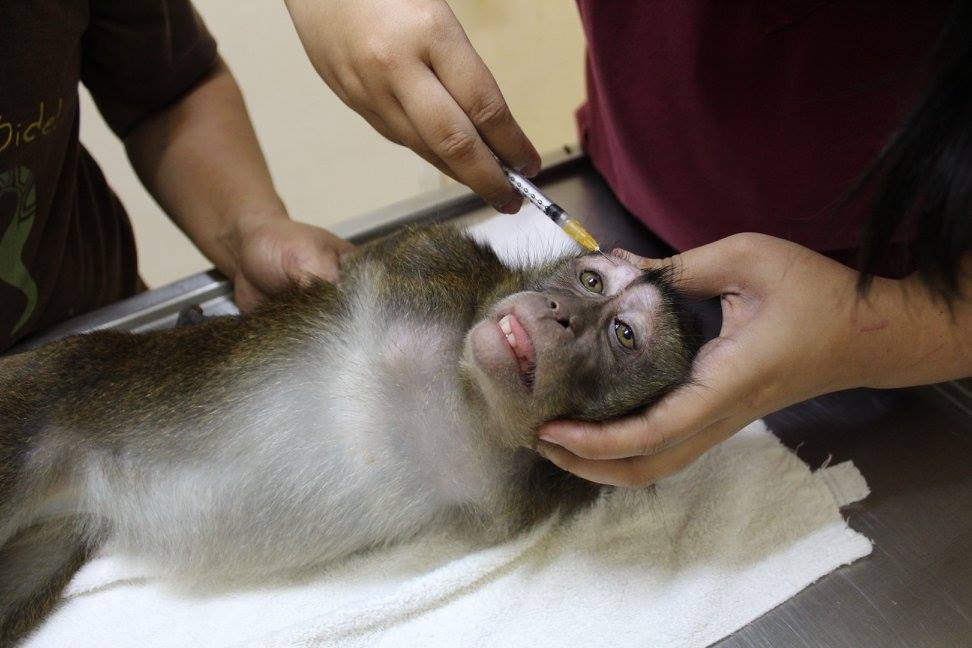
(708, 550)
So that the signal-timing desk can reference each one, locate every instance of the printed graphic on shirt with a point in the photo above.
(14, 134)
(18, 183)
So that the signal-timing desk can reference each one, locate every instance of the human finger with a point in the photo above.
(246, 295)
(464, 74)
(637, 472)
(451, 136)
(668, 422)
(708, 270)
(394, 125)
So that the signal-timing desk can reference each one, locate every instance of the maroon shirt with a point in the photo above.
(712, 118)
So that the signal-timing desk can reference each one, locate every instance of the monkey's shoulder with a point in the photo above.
(432, 251)
(437, 269)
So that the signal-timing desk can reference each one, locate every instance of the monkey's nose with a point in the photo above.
(555, 307)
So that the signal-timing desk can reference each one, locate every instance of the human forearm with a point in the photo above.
(200, 159)
(905, 335)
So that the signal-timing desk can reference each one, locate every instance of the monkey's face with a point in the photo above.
(594, 339)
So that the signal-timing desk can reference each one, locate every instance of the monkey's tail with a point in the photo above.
(35, 565)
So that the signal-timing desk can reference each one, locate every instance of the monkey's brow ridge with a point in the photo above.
(647, 276)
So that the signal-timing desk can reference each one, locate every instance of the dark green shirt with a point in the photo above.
(66, 244)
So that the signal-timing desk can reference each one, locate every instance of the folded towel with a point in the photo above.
(683, 564)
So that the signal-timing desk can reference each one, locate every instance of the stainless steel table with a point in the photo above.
(914, 446)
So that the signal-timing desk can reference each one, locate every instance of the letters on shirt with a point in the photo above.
(21, 133)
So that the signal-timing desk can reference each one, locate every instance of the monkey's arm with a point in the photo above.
(35, 565)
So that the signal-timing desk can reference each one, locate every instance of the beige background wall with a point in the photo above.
(326, 161)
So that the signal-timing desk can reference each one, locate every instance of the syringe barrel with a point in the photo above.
(529, 191)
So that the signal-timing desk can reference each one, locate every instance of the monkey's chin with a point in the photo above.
(488, 348)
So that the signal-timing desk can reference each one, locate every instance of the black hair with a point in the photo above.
(923, 178)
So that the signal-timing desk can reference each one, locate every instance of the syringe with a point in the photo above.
(553, 210)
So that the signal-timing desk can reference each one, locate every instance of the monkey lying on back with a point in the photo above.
(333, 419)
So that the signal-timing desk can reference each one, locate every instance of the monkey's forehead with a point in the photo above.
(641, 296)
(616, 273)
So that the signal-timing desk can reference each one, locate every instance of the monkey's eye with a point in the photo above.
(592, 281)
(624, 334)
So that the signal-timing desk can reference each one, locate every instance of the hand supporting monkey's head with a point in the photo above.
(594, 339)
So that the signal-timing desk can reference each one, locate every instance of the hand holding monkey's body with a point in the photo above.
(333, 419)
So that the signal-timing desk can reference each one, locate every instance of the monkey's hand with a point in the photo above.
(408, 68)
(276, 254)
(793, 328)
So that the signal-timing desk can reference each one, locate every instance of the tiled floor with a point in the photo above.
(326, 161)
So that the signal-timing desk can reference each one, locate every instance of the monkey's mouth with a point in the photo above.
(522, 347)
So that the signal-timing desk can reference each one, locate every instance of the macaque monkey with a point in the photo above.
(335, 418)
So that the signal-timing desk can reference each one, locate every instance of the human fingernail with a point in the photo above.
(531, 169)
(511, 207)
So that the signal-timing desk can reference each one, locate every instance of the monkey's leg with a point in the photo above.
(35, 565)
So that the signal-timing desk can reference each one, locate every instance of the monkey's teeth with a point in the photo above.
(522, 349)
(507, 329)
